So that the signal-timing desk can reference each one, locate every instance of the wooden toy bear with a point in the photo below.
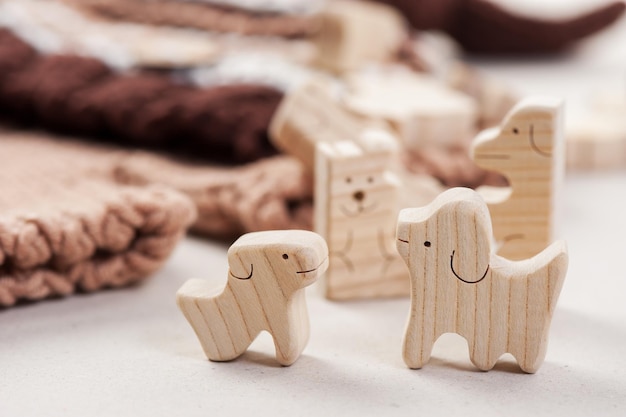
(459, 286)
(265, 291)
(356, 204)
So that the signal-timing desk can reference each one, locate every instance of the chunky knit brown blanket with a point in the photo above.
(67, 225)
(78, 95)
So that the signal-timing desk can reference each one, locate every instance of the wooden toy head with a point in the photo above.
(293, 259)
(527, 138)
(354, 179)
(450, 237)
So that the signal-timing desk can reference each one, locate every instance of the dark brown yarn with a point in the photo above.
(77, 95)
(481, 26)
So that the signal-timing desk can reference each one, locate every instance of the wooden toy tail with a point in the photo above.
(195, 299)
(550, 275)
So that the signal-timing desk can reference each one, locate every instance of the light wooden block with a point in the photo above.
(597, 140)
(528, 149)
(264, 291)
(493, 98)
(308, 115)
(354, 33)
(421, 110)
(356, 204)
(459, 286)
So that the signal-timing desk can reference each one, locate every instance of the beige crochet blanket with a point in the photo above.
(66, 225)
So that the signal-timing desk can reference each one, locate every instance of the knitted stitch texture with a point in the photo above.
(274, 193)
(72, 94)
(65, 225)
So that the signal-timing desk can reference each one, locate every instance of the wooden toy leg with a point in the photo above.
(418, 342)
(196, 302)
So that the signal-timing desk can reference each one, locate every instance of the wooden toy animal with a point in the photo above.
(459, 286)
(265, 291)
(356, 204)
(528, 149)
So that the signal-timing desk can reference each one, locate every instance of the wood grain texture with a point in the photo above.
(264, 291)
(354, 33)
(528, 149)
(356, 204)
(459, 286)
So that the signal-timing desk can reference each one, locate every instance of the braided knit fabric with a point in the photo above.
(65, 225)
(202, 16)
(274, 193)
(81, 95)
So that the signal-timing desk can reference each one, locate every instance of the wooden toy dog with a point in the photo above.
(264, 291)
(528, 149)
(459, 286)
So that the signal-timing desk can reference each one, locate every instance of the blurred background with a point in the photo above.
(136, 142)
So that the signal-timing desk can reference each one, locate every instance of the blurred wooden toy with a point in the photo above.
(459, 286)
(494, 99)
(528, 149)
(356, 203)
(354, 33)
(265, 291)
(312, 114)
(421, 110)
(309, 115)
(597, 140)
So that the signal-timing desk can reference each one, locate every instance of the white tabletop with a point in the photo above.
(130, 352)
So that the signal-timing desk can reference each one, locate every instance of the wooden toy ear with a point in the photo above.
(463, 232)
(471, 253)
(240, 263)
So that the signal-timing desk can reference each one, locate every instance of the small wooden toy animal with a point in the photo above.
(459, 286)
(264, 291)
(356, 204)
(528, 149)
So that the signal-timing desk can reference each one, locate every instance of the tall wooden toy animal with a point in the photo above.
(356, 204)
(265, 291)
(459, 286)
(528, 148)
